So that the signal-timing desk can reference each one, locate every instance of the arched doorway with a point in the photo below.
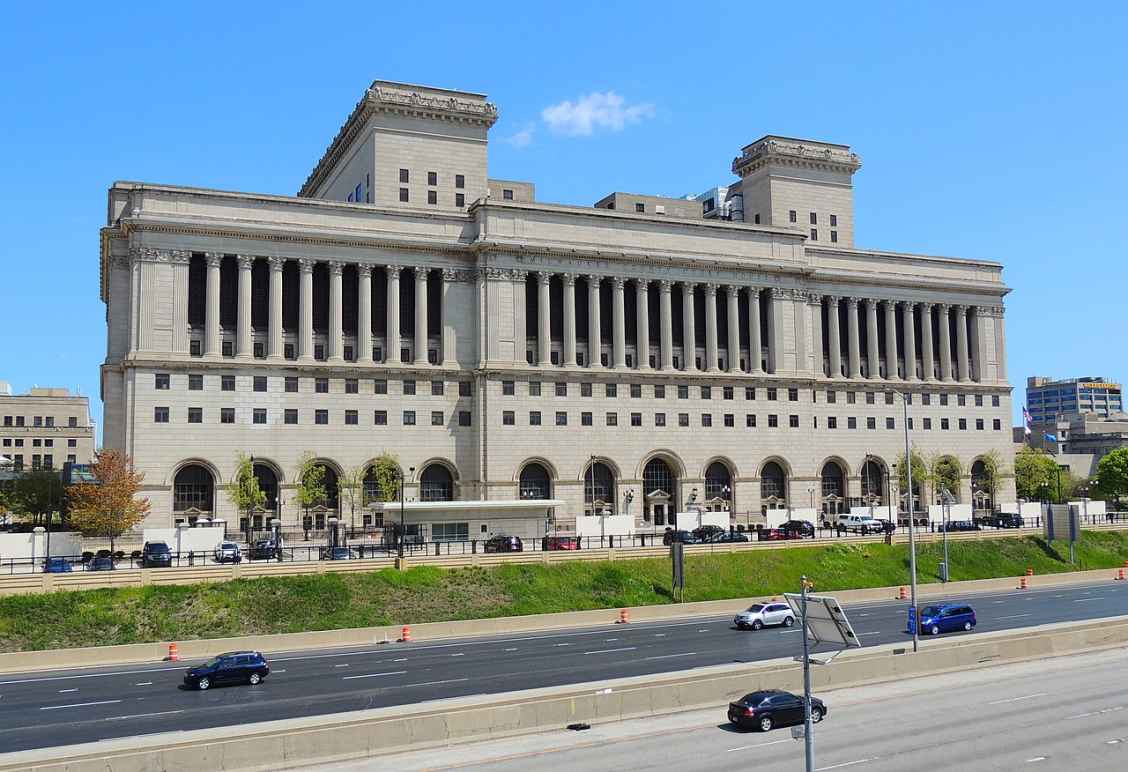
(436, 484)
(718, 487)
(193, 492)
(773, 487)
(947, 474)
(981, 495)
(316, 514)
(599, 489)
(660, 492)
(268, 484)
(874, 483)
(535, 482)
(833, 480)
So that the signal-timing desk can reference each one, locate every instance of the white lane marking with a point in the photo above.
(609, 640)
(704, 631)
(344, 665)
(150, 683)
(561, 644)
(785, 632)
(513, 649)
(87, 675)
(459, 654)
(64, 691)
(1017, 699)
(283, 670)
(80, 705)
(998, 601)
(670, 656)
(144, 715)
(1100, 712)
(1014, 616)
(874, 633)
(404, 659)
(1059, 596)
(863, 615)
(759, 745)
(1082, 600)
(659, 635)
(373, 675)
(430, 683)
(1113, 742)
(1035, 759)
(611, 651)
(846, 764)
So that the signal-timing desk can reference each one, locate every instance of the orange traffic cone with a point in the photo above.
(1029, 571)
(405, 634)
(173, 653)
(624, 616)
(1119, 576)
(903, 594)
(1023, 583)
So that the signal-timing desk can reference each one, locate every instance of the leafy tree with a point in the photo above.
(109, 506)
(351, 487)
(310, 489)
(1035, 474)
(945, 472)
(245, 492)
(992, 471)
(920, 472)
(37, 496)
(1112, 474)
(386, 469)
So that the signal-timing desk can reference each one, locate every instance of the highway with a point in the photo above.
(1064, 714)
(50, 708)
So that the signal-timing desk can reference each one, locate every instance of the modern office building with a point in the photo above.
(612, 358)
(1050, 401)
(45, 428)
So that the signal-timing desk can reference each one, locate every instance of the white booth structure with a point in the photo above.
(430, 521)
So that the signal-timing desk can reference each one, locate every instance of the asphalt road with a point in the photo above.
(45, 709)
(1061, 715)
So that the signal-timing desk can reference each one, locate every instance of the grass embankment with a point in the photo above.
(333, 601)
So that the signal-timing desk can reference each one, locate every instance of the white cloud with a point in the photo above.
(594, 111)
(522, 138)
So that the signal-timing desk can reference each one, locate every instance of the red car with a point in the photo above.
(552, 543)
(776, 534)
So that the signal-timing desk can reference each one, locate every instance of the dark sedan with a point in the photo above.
(952, 526)
(765, 710)
(683, 537)
(802, 528)
(727, 537)
(339, 553)
(504, 544)
(706, 533)
(236, 667)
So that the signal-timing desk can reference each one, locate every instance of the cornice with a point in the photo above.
(797, 153)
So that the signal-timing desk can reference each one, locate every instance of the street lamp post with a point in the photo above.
(912, 529)
(947, 497)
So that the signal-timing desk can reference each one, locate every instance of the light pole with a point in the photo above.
(912, 528)
(947, 497)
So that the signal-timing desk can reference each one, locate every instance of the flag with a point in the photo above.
(1050, 437)
(1026, 420)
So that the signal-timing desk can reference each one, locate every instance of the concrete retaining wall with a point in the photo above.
(325, 739)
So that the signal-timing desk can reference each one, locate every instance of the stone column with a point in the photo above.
(689, 329)
(711, 342)
(618, 322)
(544, 319)
(1001, 342)
(450, 279)
(364, 314)
(890, 340)
(594, 342)
(853, 343)
(212, 340)
(421, 315)
(666, 321)
(908, 333)
(642, 323)
(569, 281)
(305, 310)
(732, 299)
(392, 343)
(977, 350)
(755, 342)
(873, 362)
(962, 364)
(244, 347)
(834, 337)
(275, 349)
(180, 261)
(943, 323)
(336, 313)
(927, 354)
(814, 309)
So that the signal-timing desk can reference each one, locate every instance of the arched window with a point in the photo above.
(657, 476)
(660, 491)
(436, 484)
(268, 484)
(329, 484)
(193, 488)
(773, 486)
(982, 498)
(873, 482)
(833, 488)
(718, 482)
(535, 482)
(599, 489)
(371, 486)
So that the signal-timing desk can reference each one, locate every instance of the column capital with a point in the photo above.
(942, 307)
(832, 300)
(618, 282)
(852, 302)
(568, 279)
(754, 290)
(544, 277)
(687, 285)
(593, 279)
(458, 274)
(642, 284)
(872, 303)
(710, 288)
(305, 264)
(336, 267)
(960, 309)
(276, 263)
(214, 259)
(245, 261)
(925, 306)
(393, 270)
(733, 289)
(421, 272)
(665, 285)
(363, 269)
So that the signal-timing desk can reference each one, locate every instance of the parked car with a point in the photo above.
(946, 618)
(1002, 520)
(101, 563)
(706, 533)
(953, 526)
(338, 553)
(684, 537)
(263, 549)
(776, 534)
(863, 524)
(236, 667)
(760, 615)
(765, 710)
(227, 552)
(155, 554)
(552, 543)
(801, 528)
(501, 543)
(57, 566)
(727, 537)
(887, 526)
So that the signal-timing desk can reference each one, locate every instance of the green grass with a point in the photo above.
(389, 597)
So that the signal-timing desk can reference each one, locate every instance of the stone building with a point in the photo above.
(45, 428)
(505, 348)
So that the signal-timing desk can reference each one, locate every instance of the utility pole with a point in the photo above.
(808, 738)
(912, 528)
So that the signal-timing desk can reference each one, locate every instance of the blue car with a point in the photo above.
(57, 566)
(947, 618)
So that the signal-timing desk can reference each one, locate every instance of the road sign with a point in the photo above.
(677, 556)
(826, 621)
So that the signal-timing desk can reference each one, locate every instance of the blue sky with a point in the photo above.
(994, 130)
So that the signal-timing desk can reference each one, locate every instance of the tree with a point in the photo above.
(1035, 474)
(311, 482)
(38, 495)
(244, 491)
(945, 472)
(386, 469)
(109, 506)
(351, 487)
(920, 472)
(1112, 474)
(992, 469)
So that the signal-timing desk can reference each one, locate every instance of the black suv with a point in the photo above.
(1003, 520)
(263, 549)
(235, 667)
(801, 527)
(156, 554)
(706, 533)
(504, 544)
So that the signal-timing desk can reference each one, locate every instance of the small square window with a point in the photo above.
(562, 389)
(409, 388)
(432, 178)
(890, 423)
(659, 391)
(750, 393)
(793, 421)
(561, 418)
(291, 384)
(74, 443)
(750, 420)
(160, 416)
(730, 420)
(227, 382)
(507, 388)
(706, 392)
(404, 176)
(228, 348)
(659, 419)
(706, 419)
(432, 196)
(403, 195)
(459, 200)
(636, 419)
(534, 418)
(259, 415)
(612, 419)
(506, 194)
(162, 380)
(227, 415)
(260, 383)
(321, 417)
(773, 421)
(683, 392)
(463, 417)
(585, 389)
(380, 417)
(459, 180)
(195, 382)
(585, 419)
(409, 418)
(534, 388)
(465, 389)
(772, 394)
(436, 388)
(290, 416)
(379, 386)
(639, 207)
(321, 385)
(351, 418)
(437, 418)
(831, 422)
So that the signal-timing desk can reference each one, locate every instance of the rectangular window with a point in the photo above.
(612, 419)
(351, 418)
(162, 381)
(994, 400)
(772, 394)
(585, 419)
(348, 354)
(793, 395)
(72, 443)
(943, 400)
(996, 424)
(585, 389)
(321, 385)
(227, 415)
(460, 200)
(944, 424)
(409, 388)
(290, 416)
(871, 423)
(831, 422)
(195, 416)
(834, 237)
(506, 194)
(403, 195)
(851, 397)
(465, 389)
(611, 390)
(409, 418)
(404, 176)
(636, 419)
(750, 393)
(659, 419)
(851, 423)
(773, 421)
(352, 386)
(436, 388)
(683, 419)
(961, 400)
(890, 423)
(831, 397)
(464, 417)
(459, 180)
(534, 418)
(636, 390)
(441, 532)
(561, 418)
(706, 392)
(683, 392)
(750, 420)
(640, 207)
(659, 391)
(793, 421)
(432, 178)
(288, 351)
(871, 397)
(928, 424)
(793, 216)
(260, 383)
(979, 425)
(814, 234)
(534, 388)
(228, 348)
(432, 196)
(227, 382)
(259, 415)
(195, 348)
(706, 419)
(814, 219)
(160, 416)
(926, 399)
(730, 420)
(437, 418)
(195, 382)
(507, 388)
(834, 221)
(380, 417)
(321, 417)
(979, 400)
(379, 386)
(963, 424)
(562, 389)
